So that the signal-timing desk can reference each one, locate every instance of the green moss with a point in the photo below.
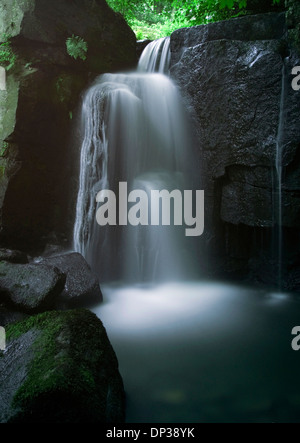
(65, 90)
(61, 368)
(4, 149)
(62, 88)
(7, 55)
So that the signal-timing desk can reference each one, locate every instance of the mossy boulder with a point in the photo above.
(59, 367)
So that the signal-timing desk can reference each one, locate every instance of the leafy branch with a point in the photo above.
(7, 55)
(158, 18)
(77, 47)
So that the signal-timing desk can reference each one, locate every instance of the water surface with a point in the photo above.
(204, 352)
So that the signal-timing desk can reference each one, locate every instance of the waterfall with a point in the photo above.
(135, 132)
(279, 174)
(156, 56)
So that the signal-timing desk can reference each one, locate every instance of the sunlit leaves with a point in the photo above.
(157, 18)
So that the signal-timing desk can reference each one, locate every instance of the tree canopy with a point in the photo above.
(158, 18)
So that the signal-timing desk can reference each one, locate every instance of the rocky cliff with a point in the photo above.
(235, 77)
(38, 137)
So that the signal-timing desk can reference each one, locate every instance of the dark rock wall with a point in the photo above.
(293, 22)
(39, 128)
(235, 78)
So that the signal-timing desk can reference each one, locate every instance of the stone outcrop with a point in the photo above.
(81, 287)
(248, 28)
(293, 22)
(235, 78)
(59, 367)
(30, 287)
(62, 281)
(38, 109)
(13, 256)
(141, 45)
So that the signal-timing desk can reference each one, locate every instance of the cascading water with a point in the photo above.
(134, 133)
(156, 56)
(279, 176)
(171, 339)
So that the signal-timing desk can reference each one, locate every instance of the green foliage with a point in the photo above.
(7, 56)
(157, 30)
(158, 18)
(77, 47)
(61, 367)
(4, 149)
(2, 171)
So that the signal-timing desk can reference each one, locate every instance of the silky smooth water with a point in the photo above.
(204, 352)
(279, 174)
(135, 131)
(156, 56)
(189, 351)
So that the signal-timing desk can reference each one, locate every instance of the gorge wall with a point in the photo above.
(38, 108)
(230, 76)
(235, 77)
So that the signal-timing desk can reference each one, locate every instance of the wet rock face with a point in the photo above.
(30, 288)
(40, 28)
(39, 130)
(269, 26)
(62, 281)
(82, 286)
(140, 46)
(59, 367)
(293, 22)
(13, 256)
(235, 78)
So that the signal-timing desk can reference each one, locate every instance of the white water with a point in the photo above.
(188, 352)
(134, 131)
(156, 57)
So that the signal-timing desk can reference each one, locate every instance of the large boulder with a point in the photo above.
(270, 26)
(40, 29)
(235, 78)
(13, 256)
(82, 285)
(39, 135)
(30, 287)
(59, 367)
(8, 315)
